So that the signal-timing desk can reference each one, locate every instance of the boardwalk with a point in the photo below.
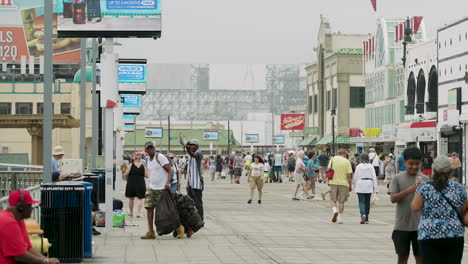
(277, 231)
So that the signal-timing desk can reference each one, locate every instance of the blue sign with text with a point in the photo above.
(132, 4)
(131, 100)
(132, 73)
(128, 117)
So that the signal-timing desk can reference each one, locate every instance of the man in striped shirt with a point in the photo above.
(194, 175)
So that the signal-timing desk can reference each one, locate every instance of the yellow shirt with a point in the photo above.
(342, 168)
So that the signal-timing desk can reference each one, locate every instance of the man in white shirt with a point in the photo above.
(159, 168)
(375, 161)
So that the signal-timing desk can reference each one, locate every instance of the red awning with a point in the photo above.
(424, 124)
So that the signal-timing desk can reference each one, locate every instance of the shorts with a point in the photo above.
(278, 169)
(323, 169)
(299, 178)
(291, 169)
(231, 172)
(311, 180)
(403, 241)
(256, 181)
(339, 193)
(152, 197)
(266, 174)
(237, 171)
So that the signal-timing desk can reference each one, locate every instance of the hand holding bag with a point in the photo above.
(330, 172)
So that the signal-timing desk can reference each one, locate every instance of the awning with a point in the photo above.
(424, 124)
(308, 142)
(328, 140)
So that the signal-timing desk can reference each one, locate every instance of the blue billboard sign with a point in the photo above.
(154, 132)
(278, 140)
(133, 4)
(252, 138)
(128, 117)
(211, 135)
(131, 100)
(132, 73)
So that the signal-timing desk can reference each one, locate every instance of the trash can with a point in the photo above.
(94, 179)
(88, 223)
(102, 184)
(62, 219)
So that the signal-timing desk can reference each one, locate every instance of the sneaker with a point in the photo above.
(295, 198)
(259, 201)
(316, 198)
(335, 214)
(310, 197)
(367, 222)
(323, 196)
(149, 235)
(340, 219)
(363, 219)
(249, 201)
(95, 232)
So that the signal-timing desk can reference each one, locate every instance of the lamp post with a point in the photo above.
(407, 39)
(333, 114)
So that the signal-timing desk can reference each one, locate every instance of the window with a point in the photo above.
(357, 97)
(315, 103)
(5, 108)
(328, 100)
(40, 108)
(24, 108)
(335, 98)
(65, 108)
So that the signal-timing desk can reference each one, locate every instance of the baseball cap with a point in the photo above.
(149, 144)
(442, 164)
(372, 149)
(193, 142)
(15, 197)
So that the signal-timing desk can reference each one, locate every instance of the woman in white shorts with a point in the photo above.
(299, 173)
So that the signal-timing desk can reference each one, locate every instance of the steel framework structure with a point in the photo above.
(201, 103)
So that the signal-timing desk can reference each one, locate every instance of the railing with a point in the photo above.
(36, 194)
(12, 180)
(19, 167)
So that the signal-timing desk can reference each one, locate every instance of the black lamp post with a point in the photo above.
(333, 114)
(407, 39)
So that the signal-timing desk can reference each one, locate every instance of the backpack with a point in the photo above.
(291, 163)
(247, 164)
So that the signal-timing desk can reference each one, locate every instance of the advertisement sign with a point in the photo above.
(109, 18)
(252, 138)
(153, 132)
(132, 77)
(311, 130)
(278, 140)
(131, 103)
(292, 121)
(210, 135)
(129, 127)
(128, 119)
(22, 33)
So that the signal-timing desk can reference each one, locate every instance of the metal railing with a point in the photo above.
(17, 176)
(36, 194)
(19, 167)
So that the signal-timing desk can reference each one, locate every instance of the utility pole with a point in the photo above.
(83, 103)
(95, 111)
(169, 134)
(48, 79)
(228, 141)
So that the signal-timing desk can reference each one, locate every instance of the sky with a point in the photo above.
(271, 31)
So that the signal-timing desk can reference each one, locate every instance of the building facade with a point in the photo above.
(335, 89)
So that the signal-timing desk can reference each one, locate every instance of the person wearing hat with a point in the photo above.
(15, 246)
(57, 155)
(160, 172)
(443, 203)
(375, 161)
(194, 174)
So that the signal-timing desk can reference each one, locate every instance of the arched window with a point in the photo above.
(421, 92)
(433, 88)
(410, 93)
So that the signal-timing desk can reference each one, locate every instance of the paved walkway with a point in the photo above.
(279, 230)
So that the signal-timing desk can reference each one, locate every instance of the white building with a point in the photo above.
(452, 93)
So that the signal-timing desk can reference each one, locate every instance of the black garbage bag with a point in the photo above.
(188, 212)
(167, 217)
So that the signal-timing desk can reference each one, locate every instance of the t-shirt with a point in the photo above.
(310, 167)
(278, 160)
(238, 162)
(55, 167)
(323, 160)
(219, 164)
(342, 168)
(374, 159)
(257, 169)
(439, 220)
(266, 167)
(157, 174)
(299, 164)
(401, 163)
(405, 218)
(195, 178)
(14, 238)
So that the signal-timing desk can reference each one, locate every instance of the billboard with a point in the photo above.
(129, 119)
(109, 18)
(129, 127)
(22, 33)
(252, 138)
(210, 135)
(292, 121)
(153, 132)
(131, 103)
(132, 76)
(278, 140)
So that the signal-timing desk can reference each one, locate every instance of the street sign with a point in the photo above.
(173, 138)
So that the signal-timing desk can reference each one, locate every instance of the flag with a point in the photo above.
(416, 23)
(401, 32)
(374, 5)
(396, 33)
(111, 104)
(364, 47)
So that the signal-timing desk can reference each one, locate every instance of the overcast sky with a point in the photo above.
(271, 31)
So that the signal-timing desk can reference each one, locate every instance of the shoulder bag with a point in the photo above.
(330, 172)
(460, 217)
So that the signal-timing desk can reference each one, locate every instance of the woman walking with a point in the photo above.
(136, 186)
(443, 203)
(365, 183)
(219, 166)
(389, 168)
(256, 179)
(300, 176)
(212, 163)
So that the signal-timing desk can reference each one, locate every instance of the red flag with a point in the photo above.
(396, 33)
(111, 104)
(416, 23)
(401, 32)
(374, 5)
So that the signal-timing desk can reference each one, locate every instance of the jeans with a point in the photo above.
(364, 204)
(174, 187)
(197, 196)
